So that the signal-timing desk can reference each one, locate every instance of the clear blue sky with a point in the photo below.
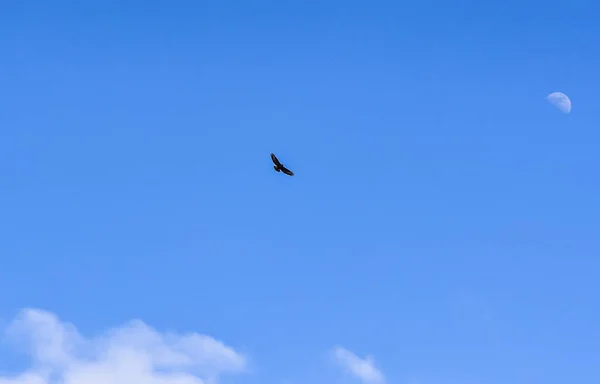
(444, 217)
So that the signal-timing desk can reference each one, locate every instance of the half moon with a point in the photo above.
(560, 101)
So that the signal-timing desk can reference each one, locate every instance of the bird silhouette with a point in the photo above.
(279, 167)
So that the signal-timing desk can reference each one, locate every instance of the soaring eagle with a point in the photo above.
(279, 167)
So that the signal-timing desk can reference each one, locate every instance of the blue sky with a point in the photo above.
(443, 217)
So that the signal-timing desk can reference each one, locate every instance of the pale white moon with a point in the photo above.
(560, 101)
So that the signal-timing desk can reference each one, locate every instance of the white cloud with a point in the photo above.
(363, 369)
(133, 353)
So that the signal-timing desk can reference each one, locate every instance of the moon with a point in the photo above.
(560, 101)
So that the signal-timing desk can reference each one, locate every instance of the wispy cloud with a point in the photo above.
(133, 353)
(363, 369)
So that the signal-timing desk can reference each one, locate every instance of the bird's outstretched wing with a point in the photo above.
(287, 171)
(275, 160)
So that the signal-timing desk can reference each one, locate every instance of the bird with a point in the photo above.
(279, 167)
